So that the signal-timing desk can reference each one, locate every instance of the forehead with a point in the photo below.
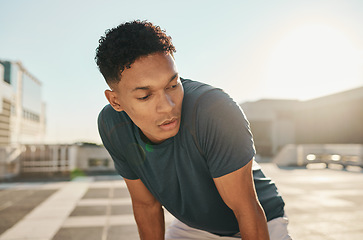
(152, 69)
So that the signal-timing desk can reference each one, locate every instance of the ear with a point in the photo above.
(113, 100)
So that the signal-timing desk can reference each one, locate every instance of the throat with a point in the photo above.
(145, 139)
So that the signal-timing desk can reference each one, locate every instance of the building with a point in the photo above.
(22, 133)
(22, 110)
(333, 119)
(22, 114)
(272, 123)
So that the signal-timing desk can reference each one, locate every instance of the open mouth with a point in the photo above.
(169, 124)
(168, 121)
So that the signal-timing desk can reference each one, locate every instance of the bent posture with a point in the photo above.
(181, 144)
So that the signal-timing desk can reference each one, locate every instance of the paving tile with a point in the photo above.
(97, 221)
(123, 232)
(89, 211)
(121, 201)
(121, 209)
(89, 233)
(108, 184)
(97, 193)
(121, 193)
(36, 229)
(39, 223)
(104, 201)
(85, 221)
(13, 195)
(21, 202)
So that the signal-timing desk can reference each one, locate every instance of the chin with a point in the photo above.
(175, 132)
(171, 134)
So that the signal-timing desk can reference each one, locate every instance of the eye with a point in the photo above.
(172, 86)
(144, 98)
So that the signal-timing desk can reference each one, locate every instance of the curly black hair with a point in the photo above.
(124, 44)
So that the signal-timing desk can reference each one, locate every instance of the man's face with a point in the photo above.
(151, 94)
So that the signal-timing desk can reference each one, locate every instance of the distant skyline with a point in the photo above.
(251, 49)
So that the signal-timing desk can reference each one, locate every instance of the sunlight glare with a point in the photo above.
(311, 61)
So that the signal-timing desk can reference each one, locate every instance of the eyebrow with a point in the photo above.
(148, 87)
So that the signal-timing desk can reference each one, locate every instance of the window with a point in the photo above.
(31, 116)
(97, 162)
(7, 71)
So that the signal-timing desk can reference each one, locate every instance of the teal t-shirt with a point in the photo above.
(214, 139)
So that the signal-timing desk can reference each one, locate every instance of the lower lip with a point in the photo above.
(169, 126)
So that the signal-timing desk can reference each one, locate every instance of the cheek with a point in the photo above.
(143, 114)
(180, 98)
(136, 114)
(137, 110)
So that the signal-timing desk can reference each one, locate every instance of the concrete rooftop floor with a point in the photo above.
(320, 203)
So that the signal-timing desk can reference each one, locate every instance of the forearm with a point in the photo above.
(255, 227)
(150, 221)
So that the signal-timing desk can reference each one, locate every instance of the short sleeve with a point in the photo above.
(123, 168)
(107, 130)
(223, 133)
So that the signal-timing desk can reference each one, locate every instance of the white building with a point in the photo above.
(22, 115)
(22, 110)
(22, 131)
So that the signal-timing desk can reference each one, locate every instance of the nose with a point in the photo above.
(165, 103)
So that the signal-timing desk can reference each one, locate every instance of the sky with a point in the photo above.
(251, 49)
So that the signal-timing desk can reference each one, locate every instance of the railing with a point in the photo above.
(9, 161)
(344, 160)
(46, 158)
(35, 159)
(303, 154)
(53, 158)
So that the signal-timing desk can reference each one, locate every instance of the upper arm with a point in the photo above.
(237, 190)
(140, 195)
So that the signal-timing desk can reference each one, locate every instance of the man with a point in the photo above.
(181, 144)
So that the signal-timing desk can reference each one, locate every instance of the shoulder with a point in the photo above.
(199, 94)
(193, 90)
(220, 129)
(110, 115)
(194, 86)
(204, 99)
(107, 112)
(110, 120)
